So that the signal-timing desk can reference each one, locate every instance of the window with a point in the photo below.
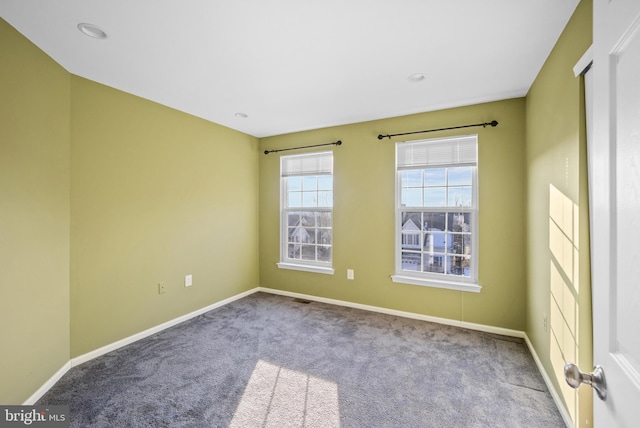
(306, 224)
(437, 213)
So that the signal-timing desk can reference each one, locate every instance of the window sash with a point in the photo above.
(446, 189)
(444, 246)
(315, 236)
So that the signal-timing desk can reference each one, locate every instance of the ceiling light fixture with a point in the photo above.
(416, 77)
(241, 115)
(92, 31)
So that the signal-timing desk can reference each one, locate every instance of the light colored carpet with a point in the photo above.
(269, 361)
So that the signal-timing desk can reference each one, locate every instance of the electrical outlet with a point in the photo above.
(545, 322)
(350, 274)
(188, 280)
(161, 288)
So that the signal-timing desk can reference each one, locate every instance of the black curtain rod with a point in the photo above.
(493, 123)
(336, 143)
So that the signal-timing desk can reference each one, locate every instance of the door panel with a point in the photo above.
(615, 197)
(626, 80)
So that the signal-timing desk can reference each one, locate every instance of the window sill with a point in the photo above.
(450, 285)
(306, 268)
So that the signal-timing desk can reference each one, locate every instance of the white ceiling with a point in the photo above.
(293, 65)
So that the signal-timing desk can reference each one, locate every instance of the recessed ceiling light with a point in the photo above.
(242, 115)
(92, 31)
(416, 77)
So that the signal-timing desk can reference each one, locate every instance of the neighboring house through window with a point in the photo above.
(437, 213)
(306, 205)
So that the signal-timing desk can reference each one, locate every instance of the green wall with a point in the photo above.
(105, 195)
(34, 216)
(155, 195)
(364, 217)
(558, 219)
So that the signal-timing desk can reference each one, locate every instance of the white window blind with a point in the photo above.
(455, 151)
(308, 164)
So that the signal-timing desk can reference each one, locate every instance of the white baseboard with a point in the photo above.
(547, 380)
(412, 315)
(48, 384)
(153, 330)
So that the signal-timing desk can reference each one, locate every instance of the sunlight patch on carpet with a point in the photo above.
(279, 397)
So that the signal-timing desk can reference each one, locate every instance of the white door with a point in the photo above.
(615, 197)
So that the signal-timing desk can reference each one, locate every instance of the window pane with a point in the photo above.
(411, 241)
(309, 252)
(324, 253)
(294, 183)
(411, 222)
(460, 176)
(467, 244)
(308, 235)
(433, 263)
(310, 199)
(298, 235)
(293, 235)
(324, 236)
(459, 222)
(435, 196)
(411, 197)
(310, 182)
(459, 196)
(435, 221)
(435, 177)
(324, 219)
(325, 182)
(411, 261)
(456, 244)
(411, 178)
(293, 219)
(308, 218)
(459, 266)
(325, 199)
(294, 251)
(435, 242)
(294, 199)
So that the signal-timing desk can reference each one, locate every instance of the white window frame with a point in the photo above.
(306, 166)
(431, 279)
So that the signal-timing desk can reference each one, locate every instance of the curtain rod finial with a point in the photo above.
(494, 123)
